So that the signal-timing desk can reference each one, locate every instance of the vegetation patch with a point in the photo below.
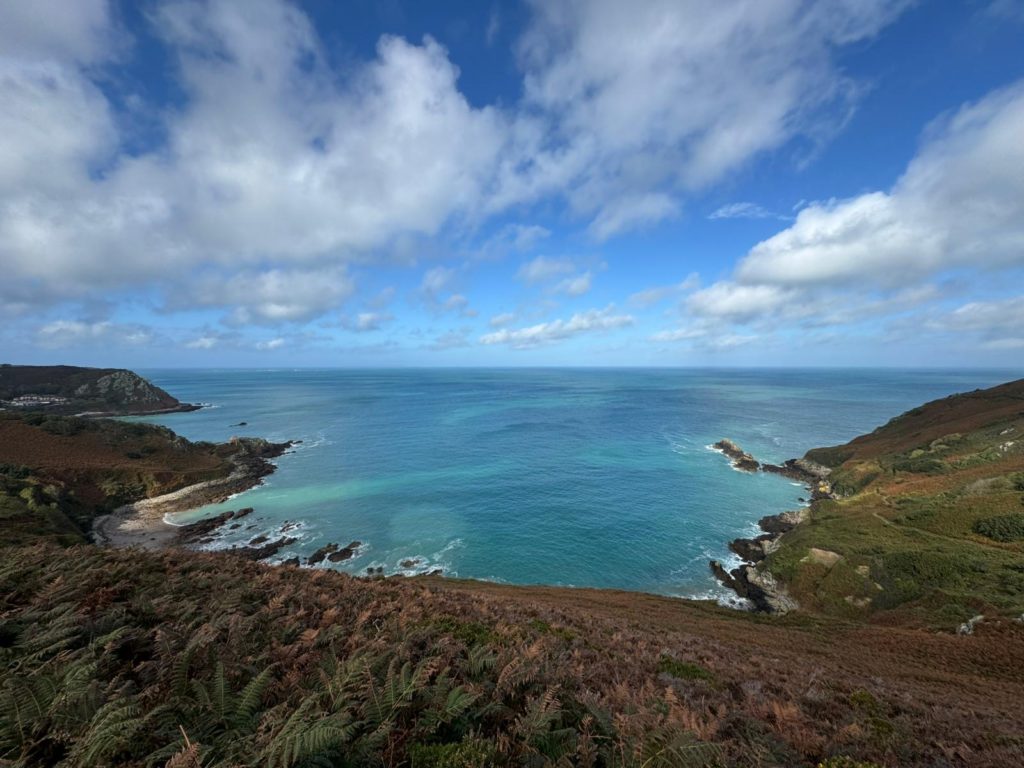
(684, 670)
(1004, 528)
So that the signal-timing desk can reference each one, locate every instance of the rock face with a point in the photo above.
(69, 389)
(740, 459)
(752, 580)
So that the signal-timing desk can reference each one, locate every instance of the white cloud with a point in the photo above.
(739, 303)
(632, 212)
(651, 296)
(501, 320)
(679, 334)
(436, 280)
(270, 344)
(365, 322)
(66, 333)
(452, 339)
(591, 321)
(272, 156)
(272, 296)
(1005, 344)
(544, 268)
(459, 303)
(743, 210)
(277, 165)
(43, 29)
(202, 342)
(512, 238)
(960, 203)
(1004, 314)
(700, 90)
(575, 286)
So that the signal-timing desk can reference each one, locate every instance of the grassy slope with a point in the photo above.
(915, 491)
(57, 473)
(116, 657)
(112, 654)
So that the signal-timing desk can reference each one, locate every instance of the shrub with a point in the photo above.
(684, 670)
(472, 753)
(846, 762)
(1004, 528)
(922, 465)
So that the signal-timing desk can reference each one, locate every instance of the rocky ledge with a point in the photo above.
(752, 580)
(141, 523)
(801, 470)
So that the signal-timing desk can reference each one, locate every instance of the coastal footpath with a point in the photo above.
(140, 655)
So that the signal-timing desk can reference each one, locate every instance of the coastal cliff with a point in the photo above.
(133, 656)
(920, 521)
(66, 389)
(68, 479)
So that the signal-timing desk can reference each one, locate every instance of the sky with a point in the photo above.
(263, 183)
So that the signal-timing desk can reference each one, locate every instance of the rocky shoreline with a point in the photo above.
(751, 580)
(141, 523)
(180, 408)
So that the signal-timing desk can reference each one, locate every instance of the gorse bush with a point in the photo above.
(1004, 528)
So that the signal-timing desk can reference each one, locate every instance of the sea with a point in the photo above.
(573, 477)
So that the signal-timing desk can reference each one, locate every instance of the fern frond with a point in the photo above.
(250, 697)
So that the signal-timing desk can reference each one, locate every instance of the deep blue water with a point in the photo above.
(576, 477)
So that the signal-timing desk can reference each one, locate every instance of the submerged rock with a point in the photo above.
(344, 553)
(323, 552)
(267, 550)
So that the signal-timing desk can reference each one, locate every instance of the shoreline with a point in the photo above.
(748, 581)
(180, 408)
(142, 524)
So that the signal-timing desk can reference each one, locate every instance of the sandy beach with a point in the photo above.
(141, 523)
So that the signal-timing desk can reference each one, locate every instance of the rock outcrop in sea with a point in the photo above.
(752, 580)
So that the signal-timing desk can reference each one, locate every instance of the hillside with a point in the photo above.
(184, 659)
(68, 389)
(928, 523)
(59, 473)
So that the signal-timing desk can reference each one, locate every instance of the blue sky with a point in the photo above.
(271, 183)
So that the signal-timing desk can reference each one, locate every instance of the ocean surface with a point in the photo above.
(584, 477)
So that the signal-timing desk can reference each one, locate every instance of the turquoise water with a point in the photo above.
(585, 477)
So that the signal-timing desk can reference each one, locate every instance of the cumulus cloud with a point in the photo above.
(278, 166)
(894, 258)
(272, 296)
(998, 324)
(651, 296)
(502, 319)
(959, 203)
(68, 333)
(365, 322)
(270, 344)
(273, 156)
(629, 129)
(740, 303)
(202, 342)
(591, 321)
